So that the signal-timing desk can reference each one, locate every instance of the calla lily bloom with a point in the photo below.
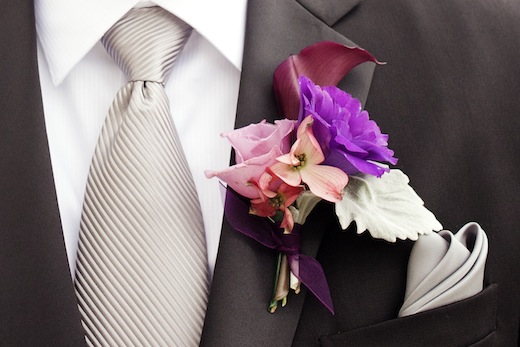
(302, 165)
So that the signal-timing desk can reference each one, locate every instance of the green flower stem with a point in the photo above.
(273, 304)
(283, 281)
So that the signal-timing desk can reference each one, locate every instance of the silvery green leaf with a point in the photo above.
(387, 207)
(305, 203)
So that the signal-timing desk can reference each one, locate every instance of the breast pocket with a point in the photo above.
(470, 322)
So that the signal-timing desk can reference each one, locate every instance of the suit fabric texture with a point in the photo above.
(448, 97)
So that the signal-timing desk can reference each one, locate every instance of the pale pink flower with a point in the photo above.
(256, 147)
(302, 165)
(240, 176)
(258, 139)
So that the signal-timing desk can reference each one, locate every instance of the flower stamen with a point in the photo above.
(278, 201)
(302, 158)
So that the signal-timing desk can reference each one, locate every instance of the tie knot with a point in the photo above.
(145, 43)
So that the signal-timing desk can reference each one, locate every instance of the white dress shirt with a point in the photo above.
(79, 81)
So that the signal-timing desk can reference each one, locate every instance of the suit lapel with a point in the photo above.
(37, 298)
(242, 284)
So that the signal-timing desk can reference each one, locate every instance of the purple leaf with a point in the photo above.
(325, 63)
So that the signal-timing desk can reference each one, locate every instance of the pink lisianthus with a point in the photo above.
(256, 147)
(302, 165)
(258, 139)
(275, 195)
(240, 176)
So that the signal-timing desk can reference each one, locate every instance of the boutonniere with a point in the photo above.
(326, 149)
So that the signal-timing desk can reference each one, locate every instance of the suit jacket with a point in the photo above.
(448, 97)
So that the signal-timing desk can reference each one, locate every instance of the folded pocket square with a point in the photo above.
(444, 268)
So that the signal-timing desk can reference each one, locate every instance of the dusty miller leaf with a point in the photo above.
(387, 207)
(306, 203)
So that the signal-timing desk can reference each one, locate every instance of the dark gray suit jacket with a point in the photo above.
(448, 97)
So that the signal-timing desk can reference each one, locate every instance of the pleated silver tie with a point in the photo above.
(141, 277)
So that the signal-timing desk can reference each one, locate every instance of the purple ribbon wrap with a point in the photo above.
(307, 269)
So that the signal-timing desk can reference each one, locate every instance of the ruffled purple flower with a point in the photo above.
(348, 138)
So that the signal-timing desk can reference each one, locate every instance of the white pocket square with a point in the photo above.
(445, 268)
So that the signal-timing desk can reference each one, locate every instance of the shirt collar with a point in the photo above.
(67, 30)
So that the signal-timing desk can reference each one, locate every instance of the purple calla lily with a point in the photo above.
(326, 63)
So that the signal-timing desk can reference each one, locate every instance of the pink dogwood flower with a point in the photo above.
(302, 165)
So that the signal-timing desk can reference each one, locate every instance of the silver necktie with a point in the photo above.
(141, 277)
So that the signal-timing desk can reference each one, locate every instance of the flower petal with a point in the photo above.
(326, 63)
(288, 221)
(239, 176)
(353, 165)
(287, 173)
(291, 193)
(308, 144)
(258, 139)
(340, 125)
(289, 158)
(327, 182)
(262, 209)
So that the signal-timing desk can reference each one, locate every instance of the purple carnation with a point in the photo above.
(348, 138)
